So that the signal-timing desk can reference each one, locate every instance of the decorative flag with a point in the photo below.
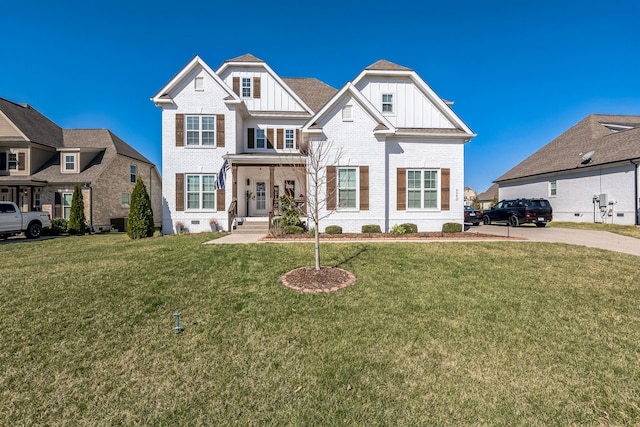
(222, 173)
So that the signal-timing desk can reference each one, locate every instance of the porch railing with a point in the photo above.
(232, 214)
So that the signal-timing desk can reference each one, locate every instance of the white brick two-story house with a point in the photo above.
(231, 138)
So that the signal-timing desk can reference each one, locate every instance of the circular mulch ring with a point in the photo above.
(308, 279)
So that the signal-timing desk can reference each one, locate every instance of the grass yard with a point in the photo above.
(475, 333)
(625, 230)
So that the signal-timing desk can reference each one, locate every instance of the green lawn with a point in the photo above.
(625, 230)
(476, 333)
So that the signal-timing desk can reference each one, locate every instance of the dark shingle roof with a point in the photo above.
(106, 145)
(312, 91)
(383, 64)
(32, 123)
(590, 134)
(490, 194)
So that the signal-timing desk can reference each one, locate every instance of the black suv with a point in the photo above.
(520, 211)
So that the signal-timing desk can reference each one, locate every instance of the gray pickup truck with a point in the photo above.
(13, 222)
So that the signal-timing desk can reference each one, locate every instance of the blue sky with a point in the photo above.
(520, 73)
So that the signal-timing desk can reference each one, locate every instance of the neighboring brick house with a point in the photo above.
(402, 146)
(589, 173)
(489, 197)
(40, 163)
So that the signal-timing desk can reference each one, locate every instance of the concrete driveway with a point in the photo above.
(594, 239)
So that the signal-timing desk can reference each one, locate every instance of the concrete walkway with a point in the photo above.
(236, 238)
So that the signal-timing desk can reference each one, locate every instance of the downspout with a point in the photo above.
(636, 201)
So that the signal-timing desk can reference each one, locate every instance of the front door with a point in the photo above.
(259, 202)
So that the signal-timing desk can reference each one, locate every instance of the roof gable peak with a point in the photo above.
(247, 57)
(385, 65)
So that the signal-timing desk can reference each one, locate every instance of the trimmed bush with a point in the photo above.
(77, 221)
(371, 228)
(451, 227)
(409, 228)
(293, 229)
(333, 229)
(398, 229)
(140, 213)
(58, 226)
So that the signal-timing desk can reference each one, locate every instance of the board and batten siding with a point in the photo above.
(267, 93)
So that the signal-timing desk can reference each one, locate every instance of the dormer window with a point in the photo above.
(69, 162)
(246, 87)
(387, 103)
(347, 113)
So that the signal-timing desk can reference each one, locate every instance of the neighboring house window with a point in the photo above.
(13, 161)
(3, 161)
(69, 162)
(201, 130)
(199, 84)
(289, 141)
(553, 190)
(201, 192)
(347, 188)
(133, 173)
(125, 199)
(422, 188)
(37, 201)
(387, 103)
(347, 113)
(246, 87)
(66, 204)
(260, 138)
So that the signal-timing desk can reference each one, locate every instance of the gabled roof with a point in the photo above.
(36, 127)
(162, 96)
(386, 68)
(490, 194)
(597, 133)
(383, 64)
(382, 124)
(106, 146)
(247, 57)
(312, 91)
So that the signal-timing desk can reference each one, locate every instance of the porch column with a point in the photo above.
(306, 196)
(271, 184)
(234, 180)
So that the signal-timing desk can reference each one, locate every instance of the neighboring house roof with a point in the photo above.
(35, 126)
(106, 145)
(312, 91)
(612, 138)
(490, 194)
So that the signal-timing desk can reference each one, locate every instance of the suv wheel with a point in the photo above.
(486, 220)
(513, 221)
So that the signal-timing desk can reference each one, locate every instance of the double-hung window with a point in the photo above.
(387, 103)
(347, 188)
(69, 162)
(13, 161)
(246, 87)
(288, 139)
(422, 188)
(133, 173)
(201, 130)
(201, 192)
(260, 139)
(553, 189)
(66, 204)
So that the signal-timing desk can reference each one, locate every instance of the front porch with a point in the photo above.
(258, 181)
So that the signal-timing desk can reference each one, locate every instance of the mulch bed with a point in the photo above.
(310, 280)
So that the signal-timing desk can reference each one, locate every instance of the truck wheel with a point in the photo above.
(34, 230)
(486, 220)
(513, 221)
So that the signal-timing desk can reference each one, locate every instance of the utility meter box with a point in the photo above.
(603, 199)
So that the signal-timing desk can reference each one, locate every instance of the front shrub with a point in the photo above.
(333, 229)
(293, 229)
(58, 226)
(409, 228)
(451, 227)
(140, 213)
(371, 228)
(398, 229)
(77, 221)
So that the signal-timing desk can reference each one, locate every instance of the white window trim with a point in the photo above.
(551, 185)
(422, 189)
(200, 131)
(128, 204)
(357, 189)
(200, 192)
(9, 161)
(63, 205)
(242, 87)
(293, 139)
(255, 139)
(393, 104)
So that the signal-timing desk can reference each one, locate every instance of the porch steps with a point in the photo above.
(253, 227)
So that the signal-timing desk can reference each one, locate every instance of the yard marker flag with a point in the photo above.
(222, 173)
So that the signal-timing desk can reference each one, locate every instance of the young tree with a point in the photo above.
(77, 221)
(320, 154)
(140, 213)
